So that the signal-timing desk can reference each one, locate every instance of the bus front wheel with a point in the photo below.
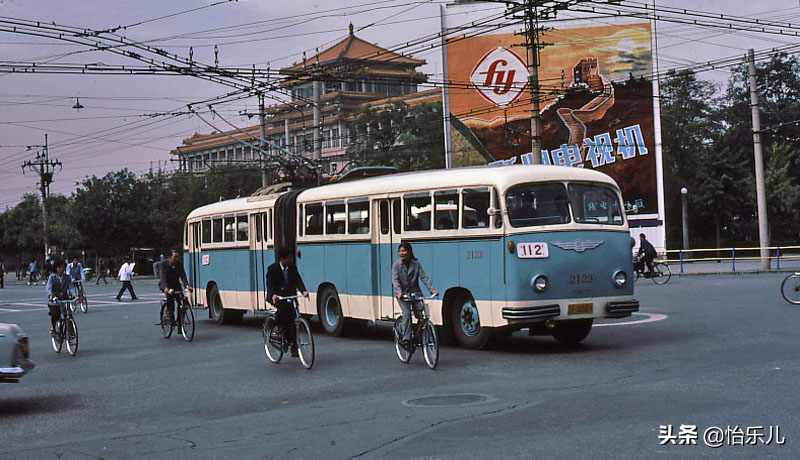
(572, 332)
(330, 312)
(466, 323)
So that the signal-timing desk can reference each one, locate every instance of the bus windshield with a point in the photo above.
(537, 204)
(595, 204)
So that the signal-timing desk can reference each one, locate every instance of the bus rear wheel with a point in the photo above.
(220, 314)
(572, 332)
(330, 312)
(466, 323)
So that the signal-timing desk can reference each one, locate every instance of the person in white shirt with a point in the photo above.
(125, 273)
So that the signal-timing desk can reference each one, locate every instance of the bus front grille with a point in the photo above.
(538, 312)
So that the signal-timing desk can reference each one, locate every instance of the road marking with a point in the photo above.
(651, 317)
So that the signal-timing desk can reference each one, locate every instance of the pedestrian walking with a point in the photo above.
(125, 274)
(2, 274)
(33, 270)
(102, 268)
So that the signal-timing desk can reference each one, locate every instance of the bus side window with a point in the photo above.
(475, 202)
(358, 217)
(242, 230)
(334, 218)
(217, 230)
(445, 211)
(417, 211)
(268, 225)
(397, 215)
(384, 211)
(230, 229)
(259, 227)
(206, 231)
(314, 219)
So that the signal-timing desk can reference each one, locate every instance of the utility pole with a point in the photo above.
(533, 45)
(761, 199)
(262, 123)
(45, 167)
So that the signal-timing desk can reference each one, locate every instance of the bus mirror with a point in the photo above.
(492, 211)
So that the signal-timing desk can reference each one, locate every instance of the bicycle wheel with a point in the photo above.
(402, 352)
(636, 275)
(57, 337)
(187, 321)
(166, 326)
(430, 346)
(790, 289)
(72, 337)
(305, 343)
(84, 302)
(661, 273)
(273, 341)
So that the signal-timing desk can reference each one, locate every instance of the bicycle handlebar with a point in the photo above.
(291, 297)
(416, 296)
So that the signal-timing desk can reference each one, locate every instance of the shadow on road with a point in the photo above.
(39, 404)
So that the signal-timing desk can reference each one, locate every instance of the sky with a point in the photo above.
(122, 122)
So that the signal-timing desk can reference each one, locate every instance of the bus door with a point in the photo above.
(194, 260)
(387, 240)
(258, 247)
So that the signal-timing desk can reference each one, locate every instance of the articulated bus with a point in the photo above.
(543, 248)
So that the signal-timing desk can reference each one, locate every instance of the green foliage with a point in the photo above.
(408, 138)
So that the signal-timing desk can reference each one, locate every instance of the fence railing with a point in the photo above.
(777, 253)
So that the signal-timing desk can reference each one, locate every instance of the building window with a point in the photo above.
(335, 137)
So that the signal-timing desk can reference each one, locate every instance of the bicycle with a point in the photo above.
(790, 288)
(423, 334)
(185, 320)
(82, 301)
(276, 343)
(65, 328)
(660, 274)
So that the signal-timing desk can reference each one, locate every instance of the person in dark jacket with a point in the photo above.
(171, 273)
(59, 286)
(284, 280)
(646, 253)
(406, 275)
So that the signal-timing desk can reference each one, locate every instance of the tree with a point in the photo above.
(22, 227)
(409, 138)
(111, 212)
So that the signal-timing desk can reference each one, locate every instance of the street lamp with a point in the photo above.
(685, 218)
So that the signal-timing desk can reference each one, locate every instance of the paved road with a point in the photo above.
(718, 351)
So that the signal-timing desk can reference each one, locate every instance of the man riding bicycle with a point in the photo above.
(75, 272)
(645, 255)
(284, 280)
(59, 286)
(406, 274)
(171, 273)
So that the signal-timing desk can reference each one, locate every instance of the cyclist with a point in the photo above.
(59, 286)
(171, 273)
(75, 272)
(646, 253)
(284, 280)
(406, 274)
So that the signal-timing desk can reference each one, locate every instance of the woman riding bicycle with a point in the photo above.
(406, 274)
(59, 286)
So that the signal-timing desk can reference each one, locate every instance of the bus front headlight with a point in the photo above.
(540, 283)
(620, 278)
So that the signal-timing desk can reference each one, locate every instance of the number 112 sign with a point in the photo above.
(533, 251)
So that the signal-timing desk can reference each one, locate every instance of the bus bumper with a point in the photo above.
(621, 309)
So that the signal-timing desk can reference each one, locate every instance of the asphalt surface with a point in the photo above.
(710, 351)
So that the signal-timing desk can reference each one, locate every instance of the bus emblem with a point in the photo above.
(577, 245)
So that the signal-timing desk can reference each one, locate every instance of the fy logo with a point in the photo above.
(500, 76)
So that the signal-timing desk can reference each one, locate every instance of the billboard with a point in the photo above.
(597, 111)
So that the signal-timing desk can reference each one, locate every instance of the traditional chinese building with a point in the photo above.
(348, 75)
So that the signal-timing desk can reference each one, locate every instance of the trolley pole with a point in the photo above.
(761, 199)
(45, 167)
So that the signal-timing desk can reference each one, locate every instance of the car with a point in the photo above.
(14, 354)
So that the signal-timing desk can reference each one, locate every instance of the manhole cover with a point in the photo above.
(448, 400)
